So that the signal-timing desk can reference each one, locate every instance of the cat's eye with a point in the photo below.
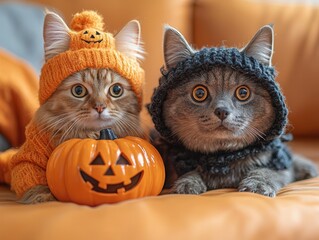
(116, 90)
(200, 93)
(79, 91)
(242, 93)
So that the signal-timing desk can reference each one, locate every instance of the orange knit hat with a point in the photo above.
(85, 53)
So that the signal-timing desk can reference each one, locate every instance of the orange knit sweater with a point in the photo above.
(28, 166)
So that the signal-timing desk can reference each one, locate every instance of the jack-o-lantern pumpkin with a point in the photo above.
(108, 170)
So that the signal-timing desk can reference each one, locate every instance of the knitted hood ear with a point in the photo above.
(55, 34)
(175, 47)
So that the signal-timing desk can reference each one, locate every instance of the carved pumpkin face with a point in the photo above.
(92, 36)
(119, 176)
(92, 172)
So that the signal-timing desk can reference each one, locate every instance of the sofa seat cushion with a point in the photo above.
(218, 214)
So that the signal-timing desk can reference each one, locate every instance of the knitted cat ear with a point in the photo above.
(55, 34)
(175, 47)
(261, 45)
(128, 40)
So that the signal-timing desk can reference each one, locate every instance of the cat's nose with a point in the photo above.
(99, 108)
(221, 113)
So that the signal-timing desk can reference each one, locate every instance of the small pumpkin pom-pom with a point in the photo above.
(87, 19)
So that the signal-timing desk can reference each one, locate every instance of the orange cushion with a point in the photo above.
(296, 57)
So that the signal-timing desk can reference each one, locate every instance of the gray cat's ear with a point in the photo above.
(55, 34)
(128, 40)
(175, 47)
(262, 45)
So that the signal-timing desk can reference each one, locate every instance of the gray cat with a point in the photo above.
(222, 118)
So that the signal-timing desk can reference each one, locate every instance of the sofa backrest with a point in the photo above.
(296, 56)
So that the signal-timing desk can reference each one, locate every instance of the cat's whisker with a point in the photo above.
(57, 131)
(45, 117)
(50, 127)
(49, 121)
(45, 120)
(245, 137)
(253, 133)
(43, 124)
(130, 124)
(59, 124)
(250, 135)
(256, 132)
(122, 127)
(260, 132)
(134, 123)
(69, 129)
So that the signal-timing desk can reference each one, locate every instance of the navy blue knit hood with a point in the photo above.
(205, 60)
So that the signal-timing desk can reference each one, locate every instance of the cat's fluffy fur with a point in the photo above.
(221, 124)
(65, 116)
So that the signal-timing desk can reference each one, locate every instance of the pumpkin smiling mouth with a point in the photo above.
(111, 188)
(98, 41)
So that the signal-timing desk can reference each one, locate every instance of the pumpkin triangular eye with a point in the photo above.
(86, 32)
(98, 161)
(97, 33)
(122, 161)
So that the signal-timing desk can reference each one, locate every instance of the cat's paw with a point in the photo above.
(37, 194)
(308, 171)
(257, 186)
(304, 168)
(189, 185)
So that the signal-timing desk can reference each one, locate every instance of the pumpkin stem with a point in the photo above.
(107, 134)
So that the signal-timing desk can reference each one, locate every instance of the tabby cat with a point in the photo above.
(89, 100)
